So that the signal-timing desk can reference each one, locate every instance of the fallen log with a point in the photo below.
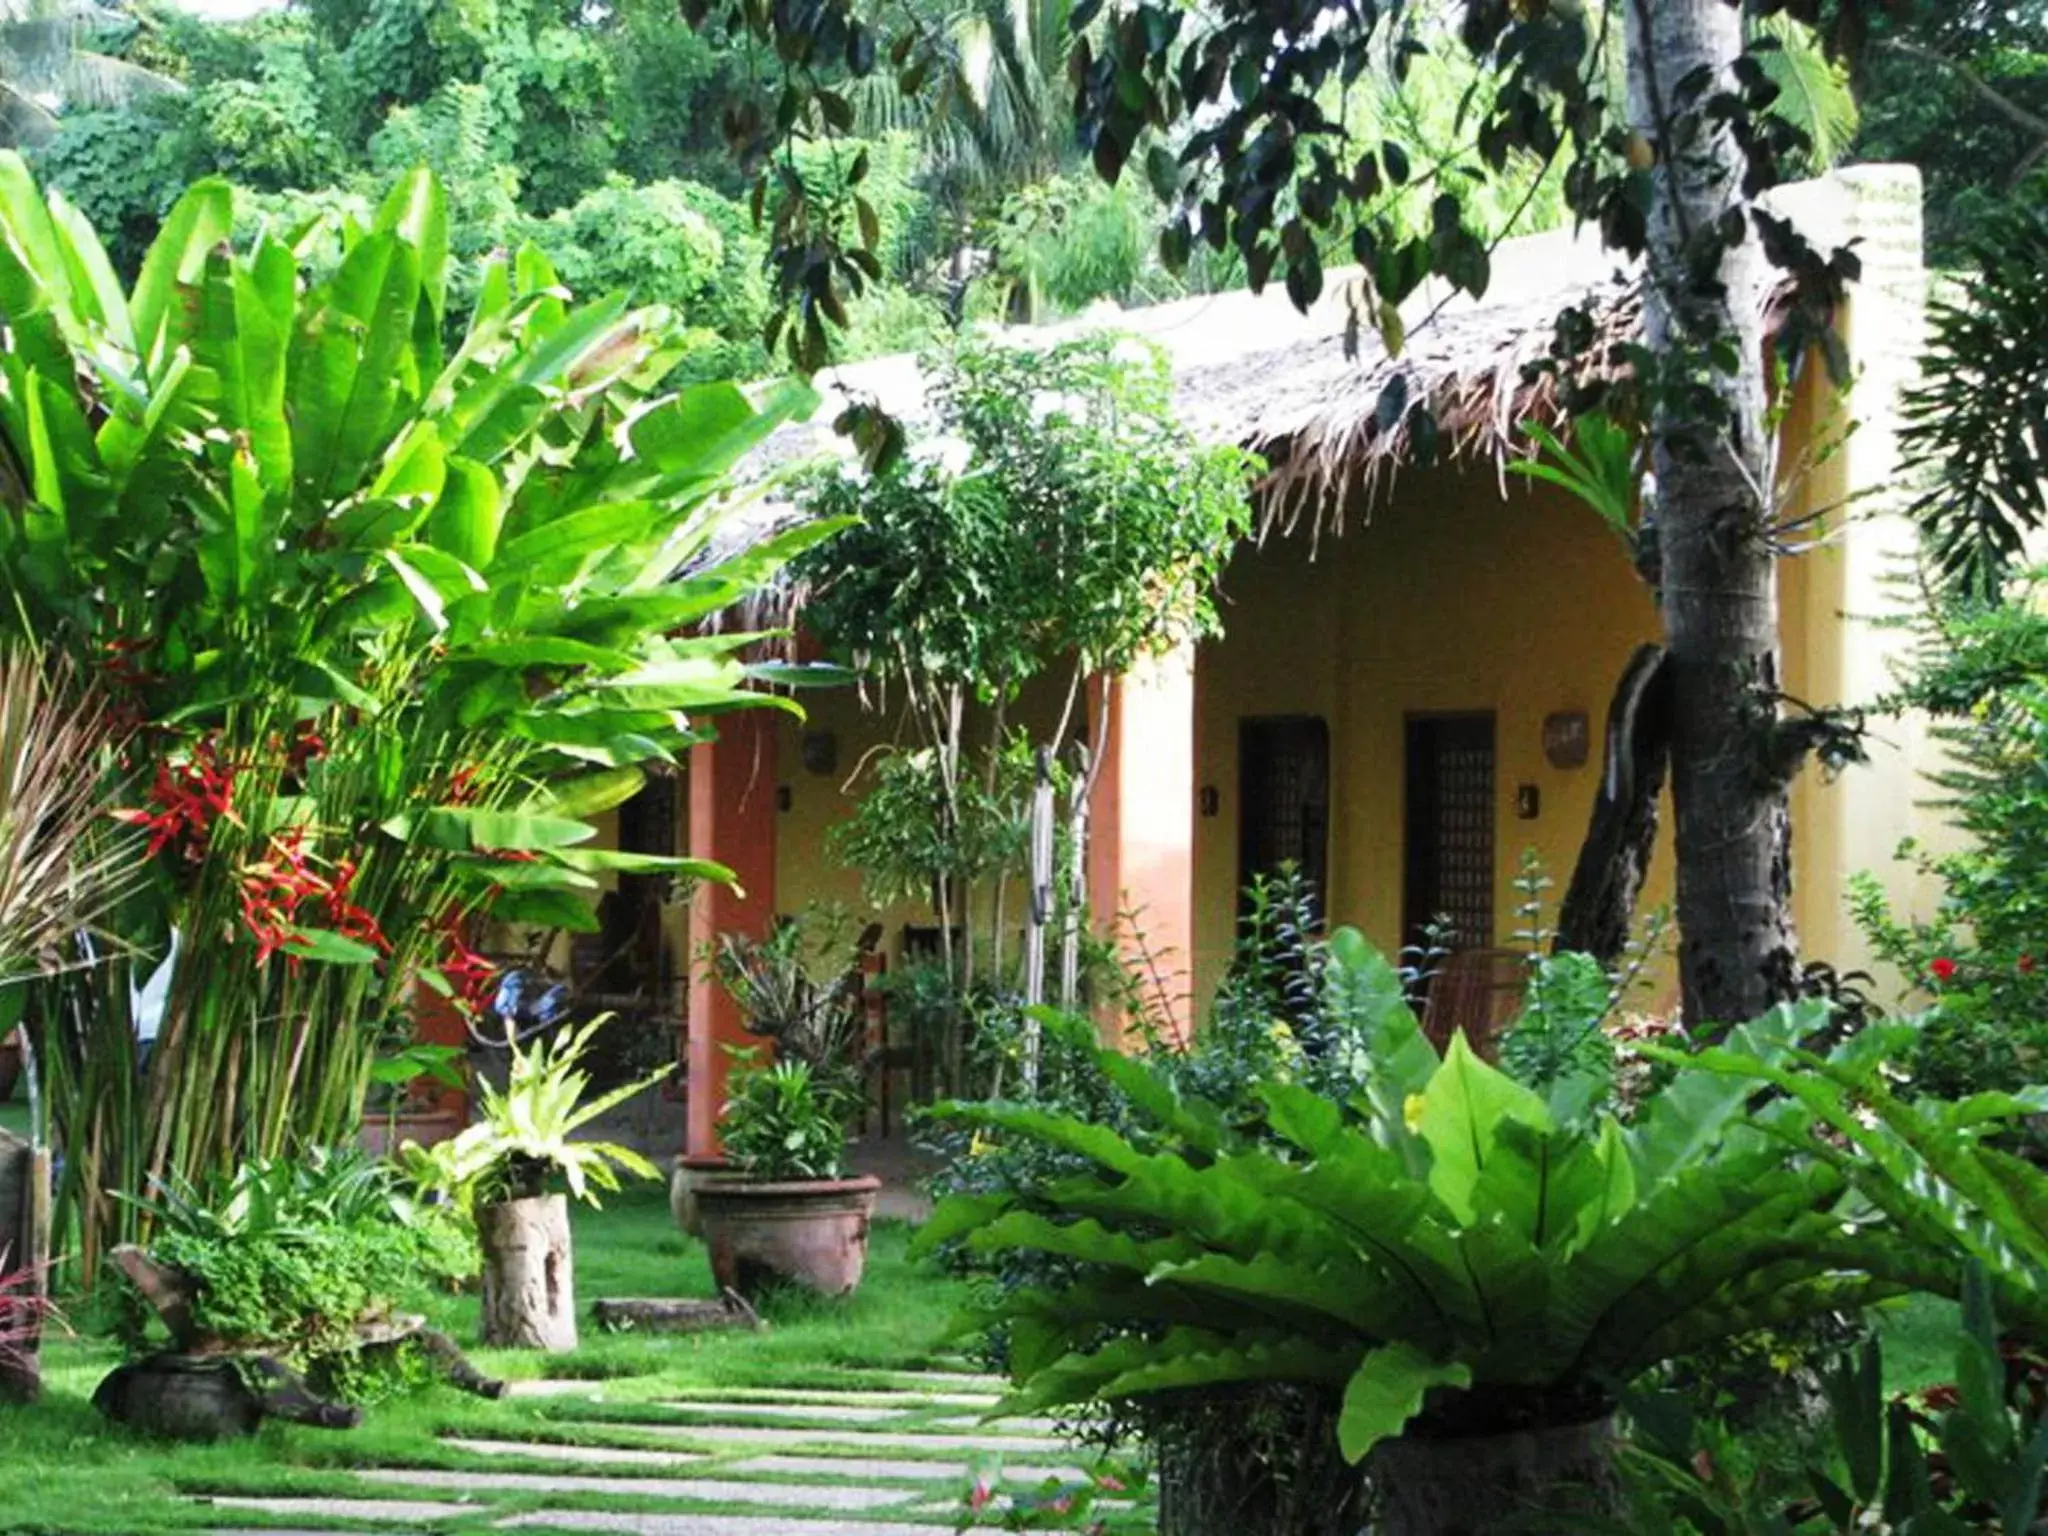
(671, 1314)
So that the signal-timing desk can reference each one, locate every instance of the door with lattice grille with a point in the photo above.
(1449, 818)
(1283, 775)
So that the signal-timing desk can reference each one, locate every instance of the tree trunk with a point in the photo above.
(529, 1281)
(1476, 1485)
(1598, 913)
(1713, 465)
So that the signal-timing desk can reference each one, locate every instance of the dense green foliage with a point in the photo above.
(287, 1256)
(1974, 419)
(1977, 959)
(1445, 1228)
(395, 614)
(783, 1121)
(1967, 1458)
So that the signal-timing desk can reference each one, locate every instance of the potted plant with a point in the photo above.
(799, 989)
(786, 1210)
(506, 1166)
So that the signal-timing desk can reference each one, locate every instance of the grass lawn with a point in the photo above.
(69, 1471)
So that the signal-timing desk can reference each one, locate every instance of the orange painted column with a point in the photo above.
(732, 822)
(437, 1021)
(1141, 826)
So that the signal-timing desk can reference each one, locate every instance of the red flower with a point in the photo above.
(462, 785)
(979, 1495)
(469, 973)
(344, 916)
(1943, 969)
(187, 798)
(2026, 965)
(277, 889)
(307, 744)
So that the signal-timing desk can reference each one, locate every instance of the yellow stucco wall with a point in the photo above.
(1450, 599)
(808, 870)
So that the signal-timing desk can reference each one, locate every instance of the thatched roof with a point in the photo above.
(1252, 370)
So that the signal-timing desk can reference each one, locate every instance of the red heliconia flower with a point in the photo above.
(2026, 965)
(186, 799)
(277, 889)
(344, 916)
(307, 744)
(1943, 970)
(462, 785)
(471, 975)
(979, 1495)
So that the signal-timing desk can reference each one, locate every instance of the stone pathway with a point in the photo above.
(835, 1455)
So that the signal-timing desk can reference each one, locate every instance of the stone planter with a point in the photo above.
(382, 1135)
(688, 1174)
(1472, 1485)
(529, 1275)
(813, 1232)
(1259, 1459)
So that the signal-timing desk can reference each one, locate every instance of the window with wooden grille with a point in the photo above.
(1449, 828)
(1283, 777)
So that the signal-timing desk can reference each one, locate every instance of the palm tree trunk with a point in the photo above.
(1713, 465)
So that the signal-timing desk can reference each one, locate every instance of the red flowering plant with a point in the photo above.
(1970, 953)
(391, 620)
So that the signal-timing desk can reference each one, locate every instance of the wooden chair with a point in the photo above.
(1478, 991)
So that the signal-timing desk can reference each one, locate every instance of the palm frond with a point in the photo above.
(97, 81)
(63, 865)
(1815, 93)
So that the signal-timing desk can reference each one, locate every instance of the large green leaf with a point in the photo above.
(1386, 1391)
(200, 220)
(463, 829)
(1462, 1112)
(354, 372)
(465, 521)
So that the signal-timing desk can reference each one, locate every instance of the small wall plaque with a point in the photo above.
(1567, 739)
(820, 752)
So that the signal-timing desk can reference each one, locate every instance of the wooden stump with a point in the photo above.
(24, 1249)
(529, 1280)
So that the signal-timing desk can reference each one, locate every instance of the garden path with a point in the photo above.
(839, 1452)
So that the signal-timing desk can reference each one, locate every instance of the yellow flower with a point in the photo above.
(1411, 1111)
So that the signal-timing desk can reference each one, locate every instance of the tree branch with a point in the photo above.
(1985, 92)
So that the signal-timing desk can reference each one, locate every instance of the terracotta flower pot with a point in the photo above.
(812, 1231)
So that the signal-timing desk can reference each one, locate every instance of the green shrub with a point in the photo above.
(1444, 1237)
(783, 1121)
(290, 1254)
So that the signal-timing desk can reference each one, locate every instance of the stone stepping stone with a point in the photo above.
(705, 1490)
(594, 1390)
(715, 1525)
(595, 1455)
(873, 1439)
(310, 1509)
(878, 1413)
(850, 1398)
(946, 1381)
(842, 1413)
(866, 1467)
